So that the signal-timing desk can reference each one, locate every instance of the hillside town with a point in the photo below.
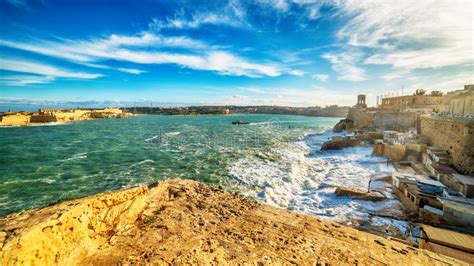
(327, 111)
(429, 138)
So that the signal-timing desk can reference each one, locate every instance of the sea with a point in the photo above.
(275, 159)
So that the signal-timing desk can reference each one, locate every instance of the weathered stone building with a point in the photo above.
(399, 103)
(463, 103)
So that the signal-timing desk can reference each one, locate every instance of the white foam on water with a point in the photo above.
(46, 180)
(78, 156)
(142, 162)
(153, 138)
(304, 179)
(174, 133)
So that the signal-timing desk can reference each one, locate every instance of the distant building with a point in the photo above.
(431, 102)
(463, 103)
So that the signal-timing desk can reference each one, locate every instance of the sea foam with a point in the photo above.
(304, 179)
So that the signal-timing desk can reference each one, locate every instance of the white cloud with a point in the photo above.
(142, 49)
(282, 5)
(131, 70)
(344, 64)
(148, 39)
(42, 69)
(231, 14)
(297, 73)
(395, 75)
(411, 35)
(321, 77)
(444, 82)
(287, 96)
(23, 80)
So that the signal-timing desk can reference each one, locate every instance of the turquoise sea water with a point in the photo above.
(40, 165)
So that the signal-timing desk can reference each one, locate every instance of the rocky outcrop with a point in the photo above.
(182, 221)
(339, 143)
(343, 125)
(68, 232)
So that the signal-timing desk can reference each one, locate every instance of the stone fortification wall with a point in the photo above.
(395, 120)
(42, 119)
(362, 118)
(455, 136)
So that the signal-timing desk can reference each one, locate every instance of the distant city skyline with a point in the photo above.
(259, 52)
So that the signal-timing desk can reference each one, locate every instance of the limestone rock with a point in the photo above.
(344, 124)
(185, 222)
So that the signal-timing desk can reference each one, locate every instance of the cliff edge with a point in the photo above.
(179, 221)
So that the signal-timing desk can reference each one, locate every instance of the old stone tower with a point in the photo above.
(361, 101)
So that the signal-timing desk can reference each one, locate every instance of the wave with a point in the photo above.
(174, 133)
(78, 156)
(142, 162)
(304, 180)
(153, 138)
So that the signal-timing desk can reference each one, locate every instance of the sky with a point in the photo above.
(255, 52)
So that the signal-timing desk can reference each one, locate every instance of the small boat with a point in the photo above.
(240, 122)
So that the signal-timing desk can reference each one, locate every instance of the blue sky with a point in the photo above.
(283, 52)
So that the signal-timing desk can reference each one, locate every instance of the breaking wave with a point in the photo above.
(303, 178)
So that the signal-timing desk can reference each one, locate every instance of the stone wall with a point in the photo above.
(463, 104)
(455, 136)
(361, 117)
(42, 119)
(395, 120)
(388, 120)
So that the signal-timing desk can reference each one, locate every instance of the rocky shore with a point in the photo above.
(182, 221)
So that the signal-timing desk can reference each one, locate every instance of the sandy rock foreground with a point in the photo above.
(182, 221)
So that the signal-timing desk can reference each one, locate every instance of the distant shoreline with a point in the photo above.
(48, 116)
(329, 111)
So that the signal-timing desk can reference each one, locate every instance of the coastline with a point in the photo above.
(185, 221)
(49, 116)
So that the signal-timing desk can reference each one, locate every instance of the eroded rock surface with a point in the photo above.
(182, 221)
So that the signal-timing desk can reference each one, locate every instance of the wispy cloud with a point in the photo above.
(321, 77)
(310, 96)
(18, 65)
(24, 80)
(344, 63)
(408, 35)
(297, 73)
(230, 14)
(131, 70)
(142, 49)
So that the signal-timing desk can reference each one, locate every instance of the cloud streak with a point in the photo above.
(344, 64)
(149, 48)
(18, 65)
